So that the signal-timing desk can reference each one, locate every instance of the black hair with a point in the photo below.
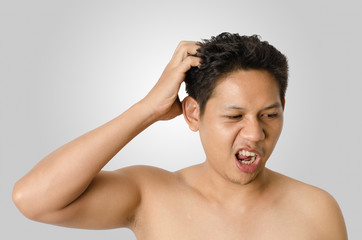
(228, 52)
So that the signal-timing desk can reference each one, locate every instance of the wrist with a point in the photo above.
(146, 112)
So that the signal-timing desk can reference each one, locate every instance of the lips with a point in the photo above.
(247, 159)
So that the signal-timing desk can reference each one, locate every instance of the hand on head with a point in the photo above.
(163, 98)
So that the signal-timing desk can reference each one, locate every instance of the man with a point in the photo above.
(237, 87)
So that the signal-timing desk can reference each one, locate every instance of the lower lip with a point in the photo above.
(248, 168)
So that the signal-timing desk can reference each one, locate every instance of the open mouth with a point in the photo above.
(245, 157)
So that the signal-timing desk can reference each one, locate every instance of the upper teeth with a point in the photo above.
(247, 153)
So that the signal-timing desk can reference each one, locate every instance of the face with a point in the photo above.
(241, 124)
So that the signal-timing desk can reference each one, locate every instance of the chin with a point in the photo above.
(247, 178)
(243, 180)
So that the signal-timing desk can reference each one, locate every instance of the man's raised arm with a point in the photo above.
(68, 188)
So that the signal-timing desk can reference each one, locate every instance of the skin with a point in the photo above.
(212, 200)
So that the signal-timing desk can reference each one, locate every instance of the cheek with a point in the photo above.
(217, 140)
(273, 133)
(278, 128)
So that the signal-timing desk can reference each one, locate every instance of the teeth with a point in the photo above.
(247, 153)
(248, 162)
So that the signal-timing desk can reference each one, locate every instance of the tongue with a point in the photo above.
(244, 158)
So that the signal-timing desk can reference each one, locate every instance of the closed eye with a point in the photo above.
(270, 116)
(235, 116)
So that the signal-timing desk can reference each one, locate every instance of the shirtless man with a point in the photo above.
(236, 87)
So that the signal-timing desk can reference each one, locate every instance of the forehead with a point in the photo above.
(247, 89)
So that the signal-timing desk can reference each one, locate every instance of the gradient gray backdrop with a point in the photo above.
(66, 67)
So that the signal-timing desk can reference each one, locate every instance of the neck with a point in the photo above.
(223, 191)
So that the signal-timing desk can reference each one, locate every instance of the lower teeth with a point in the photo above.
(247, 162)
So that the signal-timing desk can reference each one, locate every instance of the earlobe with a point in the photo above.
(190, 109)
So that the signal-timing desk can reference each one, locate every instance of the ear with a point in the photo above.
(191, 111)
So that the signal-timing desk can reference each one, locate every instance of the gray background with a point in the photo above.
(66, 67)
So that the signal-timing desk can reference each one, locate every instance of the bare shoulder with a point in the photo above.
(148, 176)
(314, 205)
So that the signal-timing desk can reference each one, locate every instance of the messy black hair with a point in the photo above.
(228, 52)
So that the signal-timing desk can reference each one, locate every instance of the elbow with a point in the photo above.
(23, 203)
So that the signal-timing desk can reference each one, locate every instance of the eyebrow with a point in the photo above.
(235, 107)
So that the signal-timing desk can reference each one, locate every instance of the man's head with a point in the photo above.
(236, 103)
(227, 53)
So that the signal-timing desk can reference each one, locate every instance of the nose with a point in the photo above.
(253, 131)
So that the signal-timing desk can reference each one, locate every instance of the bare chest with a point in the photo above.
(192, 220)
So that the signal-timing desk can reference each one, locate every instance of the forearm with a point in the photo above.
(65, 174)
(58, 181)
